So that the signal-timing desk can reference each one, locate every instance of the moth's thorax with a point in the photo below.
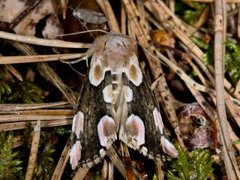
(116, 54)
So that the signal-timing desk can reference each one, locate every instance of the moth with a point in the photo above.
(116, 103)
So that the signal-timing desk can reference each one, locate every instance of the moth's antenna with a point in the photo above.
(76, 71)
(74, 61)
(82, 32)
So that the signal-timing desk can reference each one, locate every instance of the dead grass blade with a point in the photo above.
(34, 150)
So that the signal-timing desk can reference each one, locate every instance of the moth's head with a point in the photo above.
(115, 53)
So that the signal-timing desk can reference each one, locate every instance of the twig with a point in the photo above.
(108, 11)
(38, 58)
(111, 152)
(34, 151)
(18, 107)
(81, 173)
(202, 19)
(13, 71)
(22, 125)
(104, 169)
(210, 1)
(42, 42)
(62, 162)
(31, 117)
(110, 171)
(219, 54)
(47, 72)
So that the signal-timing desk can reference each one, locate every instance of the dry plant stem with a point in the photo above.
(42, 42)
(81, 173)
(17, 141)
(64, 8)
(198, 72)
(210, 1)
(170, 16)
(62, 162)
(233, 109)
(123, 20)
(173, 24)
(228, 86)
(17, 107)
(168, 107)
(104, 169)
(110, 171)
(13, 71)
(131, 172)
(159, 164)
(238, 24)
(38, 58)
(202, 19)
(233, 137)
(219, 53)
(22, 125)
(108, 11)
(237, 90)
(31, 117)
(183, 75)
(47, 71)
(36, 112)
(23, 14)
(171, 5)
(34, 150)
(162, 88)
(203, 67)
(111, 152)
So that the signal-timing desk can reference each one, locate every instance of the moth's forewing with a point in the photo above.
(142, 105)
(92, 106)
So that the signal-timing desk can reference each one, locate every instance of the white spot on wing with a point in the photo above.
(144, 151)
(97, 70)
(158, 120)
(108, 94)
(128, 93)
(102, 153)
(134, 134)
(77, 125)
(107, 131)
(75, 154)
(168, 147)
(133, 71)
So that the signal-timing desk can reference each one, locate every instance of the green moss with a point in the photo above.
(185, 167)
(10, 165)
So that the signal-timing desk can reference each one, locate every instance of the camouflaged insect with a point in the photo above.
(116, 103)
